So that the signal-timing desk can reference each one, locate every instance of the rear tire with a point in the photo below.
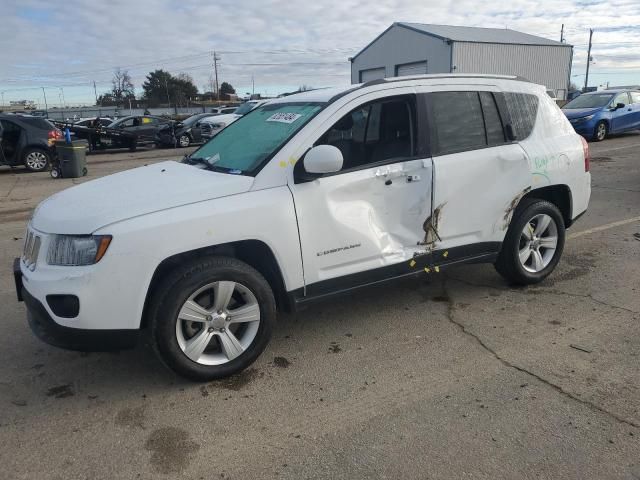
(533, 244)
(601, 131)
(36, 159)
(200, 335)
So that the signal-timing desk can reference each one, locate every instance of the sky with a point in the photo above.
(281, 44)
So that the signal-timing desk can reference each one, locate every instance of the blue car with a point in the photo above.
(595, 115)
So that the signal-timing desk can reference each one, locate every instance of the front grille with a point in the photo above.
(31, 250)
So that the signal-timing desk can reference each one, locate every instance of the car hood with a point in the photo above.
(579, 112)
(85, 208)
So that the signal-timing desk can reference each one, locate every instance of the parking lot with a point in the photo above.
(458, 372)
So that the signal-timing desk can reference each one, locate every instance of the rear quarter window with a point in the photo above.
(523, 110)
(39, 123)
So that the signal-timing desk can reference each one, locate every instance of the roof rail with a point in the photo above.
(442, 75)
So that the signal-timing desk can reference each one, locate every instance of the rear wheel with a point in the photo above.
(600, 132)
(533, 244)
(212, 318)
(36, 159)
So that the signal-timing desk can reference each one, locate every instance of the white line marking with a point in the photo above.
(604, 227)
(614, 149)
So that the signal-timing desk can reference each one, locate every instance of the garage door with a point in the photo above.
(371, 74)
(415, 68)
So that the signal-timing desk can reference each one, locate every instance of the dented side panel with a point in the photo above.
(476, 192)
(363, 220)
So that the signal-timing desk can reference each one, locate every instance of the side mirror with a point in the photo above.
(511, 134)
(323, 159)
(619, 105)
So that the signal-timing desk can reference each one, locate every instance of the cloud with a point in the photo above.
(280, 43)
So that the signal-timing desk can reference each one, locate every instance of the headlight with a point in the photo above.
(583, 119)
(77, 249)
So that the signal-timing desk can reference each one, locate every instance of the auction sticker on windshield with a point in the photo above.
(284, 117)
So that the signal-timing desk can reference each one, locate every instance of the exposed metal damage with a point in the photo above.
(508, 213)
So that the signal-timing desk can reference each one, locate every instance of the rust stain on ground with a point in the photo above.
(171, 449)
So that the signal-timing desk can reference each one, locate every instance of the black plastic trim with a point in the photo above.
(64, 306)
(47, 330)
(484, 252)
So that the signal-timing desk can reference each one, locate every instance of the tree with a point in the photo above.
(227, 89)
(161, 87)
(122, 86)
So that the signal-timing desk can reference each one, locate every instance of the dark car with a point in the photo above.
(183, 133)
(597, 114)
(144, 127)
(94, 122)
(28, 141)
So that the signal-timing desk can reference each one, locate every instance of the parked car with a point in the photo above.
(27, 140)
(182, 134)
(143, 126)
(223, 110)
(598, 114)
(211, 127)
(91, 122)
(306, 196)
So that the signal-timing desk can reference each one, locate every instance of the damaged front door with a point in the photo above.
(370, 215)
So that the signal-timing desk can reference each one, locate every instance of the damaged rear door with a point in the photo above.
(479, 175)
(359, 225)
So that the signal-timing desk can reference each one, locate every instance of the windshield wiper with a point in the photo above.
(209, 165)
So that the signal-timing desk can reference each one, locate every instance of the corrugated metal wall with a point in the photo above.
(546, 65)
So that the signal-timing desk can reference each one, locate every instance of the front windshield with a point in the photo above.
(245, 108)
(244, 145)
(589, 101)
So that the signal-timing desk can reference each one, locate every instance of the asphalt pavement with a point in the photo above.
(454, 375)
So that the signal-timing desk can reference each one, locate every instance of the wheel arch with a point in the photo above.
(559, 195)
(255, 253)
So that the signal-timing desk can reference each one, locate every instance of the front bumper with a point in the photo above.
(585, 129)
(47, 330)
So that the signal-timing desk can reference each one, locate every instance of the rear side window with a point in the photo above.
(635, 97)
(458, 120)
(523, 108)
(40, 123)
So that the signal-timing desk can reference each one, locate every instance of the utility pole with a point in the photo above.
(562, 34)
(215, 70)
(586, 77)
(46, 108)
(64, 103)
(2, 99)
(95, 92)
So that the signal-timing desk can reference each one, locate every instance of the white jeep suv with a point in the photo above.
(305, 197)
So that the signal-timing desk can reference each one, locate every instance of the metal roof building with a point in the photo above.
(415, 48)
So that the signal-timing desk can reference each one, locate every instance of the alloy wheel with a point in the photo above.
(601, 131)
(184, 141)
(538, 243)
(36, 160)
(218, 323)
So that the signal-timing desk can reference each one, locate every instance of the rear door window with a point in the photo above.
(492, 120)
(458, 122)
(635, 97)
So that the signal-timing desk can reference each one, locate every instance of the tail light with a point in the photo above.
(54, 135)
(585, 151)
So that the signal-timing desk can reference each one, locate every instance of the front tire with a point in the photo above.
(211, 318)
(601, 131)
(533, 244)
(184, 140)
(36, 159)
